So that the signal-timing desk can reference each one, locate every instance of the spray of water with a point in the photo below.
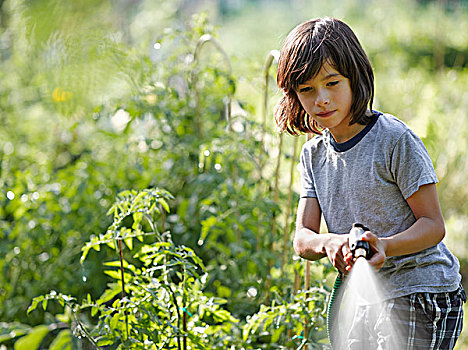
(364, 321)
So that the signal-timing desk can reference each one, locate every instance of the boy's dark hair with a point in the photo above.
(305, 50)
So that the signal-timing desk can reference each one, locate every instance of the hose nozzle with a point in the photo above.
(358, 247)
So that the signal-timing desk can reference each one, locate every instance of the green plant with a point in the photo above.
(156, 301)
(293, 324)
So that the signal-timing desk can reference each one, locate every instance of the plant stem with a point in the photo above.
(184, 320)
(85, 331)
(154, 228)
(119, 240)
(174, 299)
(163, 219)
(287, 227)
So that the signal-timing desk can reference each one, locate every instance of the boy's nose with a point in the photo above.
(322, 100)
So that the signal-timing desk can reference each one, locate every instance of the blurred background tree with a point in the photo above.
(99, 97)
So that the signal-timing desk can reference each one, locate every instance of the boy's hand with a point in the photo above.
(378, 247)
(337, 250)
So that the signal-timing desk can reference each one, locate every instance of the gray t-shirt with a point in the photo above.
(369, 183)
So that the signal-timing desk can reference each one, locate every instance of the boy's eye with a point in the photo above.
(333, 83)
(305, 89)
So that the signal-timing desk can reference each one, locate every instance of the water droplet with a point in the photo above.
(43, 257)
(120, 120)
(252, 292)
(166, 128)
(8, 148)
(156, 144)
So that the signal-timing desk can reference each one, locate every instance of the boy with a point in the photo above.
(368, 167)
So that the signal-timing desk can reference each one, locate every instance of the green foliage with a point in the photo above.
(97, 98)
(155, 302)
(64, 160)
(12, 330)
(274, 325)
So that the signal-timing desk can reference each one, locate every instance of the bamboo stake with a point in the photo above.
(297, 280)
(276, 188)
(273, 223)
(272, 56)
(277, 174)
(287, 228)
(307, 286)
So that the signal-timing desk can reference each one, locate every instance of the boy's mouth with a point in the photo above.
(324, 114)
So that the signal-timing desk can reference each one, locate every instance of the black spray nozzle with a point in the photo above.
(356, 244)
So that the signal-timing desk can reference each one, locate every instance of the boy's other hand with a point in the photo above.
(378, 247)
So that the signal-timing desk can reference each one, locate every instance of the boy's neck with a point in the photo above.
(348, 133)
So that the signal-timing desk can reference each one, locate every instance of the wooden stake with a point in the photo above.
(307, 286)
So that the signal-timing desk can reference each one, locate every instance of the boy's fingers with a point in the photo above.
(369, 236)
(377, 260)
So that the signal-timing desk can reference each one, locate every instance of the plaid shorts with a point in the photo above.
(417, 321)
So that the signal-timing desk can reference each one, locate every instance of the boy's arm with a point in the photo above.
(427, 231)
(311, 245)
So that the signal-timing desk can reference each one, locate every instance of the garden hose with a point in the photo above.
(359, 248)
(333, 308)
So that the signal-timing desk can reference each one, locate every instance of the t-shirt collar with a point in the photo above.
(347, 145)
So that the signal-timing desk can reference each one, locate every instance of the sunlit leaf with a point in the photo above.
(129, 243)
(33, 339)
(117, 275)
(116, 263)
(164, 204)
(63, 341)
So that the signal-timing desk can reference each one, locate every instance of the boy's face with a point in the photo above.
(327, 98)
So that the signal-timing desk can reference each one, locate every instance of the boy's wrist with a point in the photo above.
(324, 241)
(386, 245)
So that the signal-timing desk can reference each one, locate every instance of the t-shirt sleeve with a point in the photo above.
(411, 164)
(305, 169)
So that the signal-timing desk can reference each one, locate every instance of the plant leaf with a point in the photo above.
(63, 341)
(33, 339)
